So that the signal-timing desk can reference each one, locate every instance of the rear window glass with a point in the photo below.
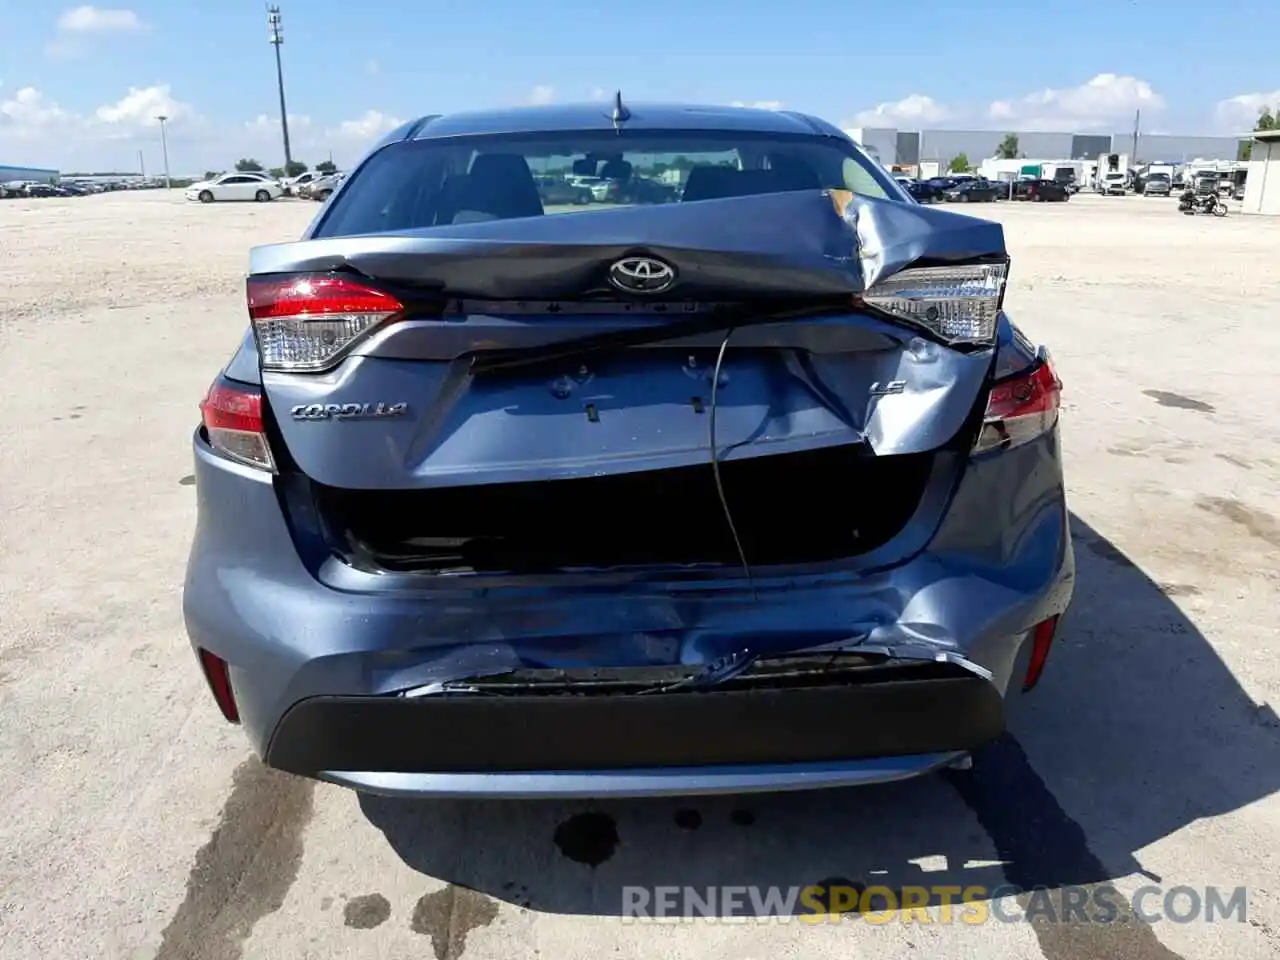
(431, 183)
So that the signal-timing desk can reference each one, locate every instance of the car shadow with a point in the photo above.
(1138, 729)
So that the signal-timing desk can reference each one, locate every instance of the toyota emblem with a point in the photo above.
(641, 275)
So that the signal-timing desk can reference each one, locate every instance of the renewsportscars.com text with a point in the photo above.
(1100, 903)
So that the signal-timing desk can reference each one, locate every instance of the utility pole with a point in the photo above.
(164, 145)
(277, 38)
(142, 166)
(1137, 118)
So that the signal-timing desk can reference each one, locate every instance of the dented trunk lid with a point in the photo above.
(428, 413)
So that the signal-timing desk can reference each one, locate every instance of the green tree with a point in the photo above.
(1267, 120)
(1008, 149)
(960, 164)
(248, 165)
(294, 168)
(276, 172)
(211, 174)
(326, 166)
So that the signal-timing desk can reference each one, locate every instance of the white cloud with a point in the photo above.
(599, 93)
(916, 109)
(29, 115)
(51, 135)
(542, 94)
(37, 130)
(141, 106)
(373, 66)
(759, 104)
(1100, 103)
(372, 123)
(1238, 114)
(88, 19)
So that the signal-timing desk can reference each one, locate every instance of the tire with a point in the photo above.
(206, 196)
(262, 196)
(1219, 209)
(964, 198)
(323, 195)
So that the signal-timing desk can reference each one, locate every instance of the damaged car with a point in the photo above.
(744, 483)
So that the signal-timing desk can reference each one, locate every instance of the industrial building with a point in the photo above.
(910, 147)
(1262, 187)
(39, 174)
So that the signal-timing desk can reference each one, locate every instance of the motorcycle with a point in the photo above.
(1191, 204)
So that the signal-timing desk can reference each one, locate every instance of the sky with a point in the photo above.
(81, 86)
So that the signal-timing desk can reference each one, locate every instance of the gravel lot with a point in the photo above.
(138, 827)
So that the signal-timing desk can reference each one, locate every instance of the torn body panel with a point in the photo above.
(845, 376)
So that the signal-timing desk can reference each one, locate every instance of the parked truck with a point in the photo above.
(1113, 174)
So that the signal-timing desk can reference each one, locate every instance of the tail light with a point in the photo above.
(959, 304)
(1041, 639)
(232, 417)
(218, 676)
(1021, 407)
(309, 322)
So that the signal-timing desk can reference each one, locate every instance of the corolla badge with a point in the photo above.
(347, 411)
(641, 275)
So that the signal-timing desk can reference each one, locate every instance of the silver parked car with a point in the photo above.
(321, 187)
(756, 487)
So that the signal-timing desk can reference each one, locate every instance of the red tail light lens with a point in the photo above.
(1041, 640)
(232, 417)
(308, 322)
(218, 676)
(1021, 408)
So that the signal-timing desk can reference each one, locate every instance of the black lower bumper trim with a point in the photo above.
(539, 732)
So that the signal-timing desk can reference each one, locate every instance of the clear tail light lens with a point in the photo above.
(232, 417)
(309, 322)
(959, 304)
(1021, 408)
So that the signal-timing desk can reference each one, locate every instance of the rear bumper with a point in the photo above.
(643, 782)
(318, 669)
(929, 708)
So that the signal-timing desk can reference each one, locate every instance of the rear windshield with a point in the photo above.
(431, 183)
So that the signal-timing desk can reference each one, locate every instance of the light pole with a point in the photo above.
(164, 146)
(277, 38)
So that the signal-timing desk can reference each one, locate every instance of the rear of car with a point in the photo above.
(756, 487)
(1156, 186)
(1114, 184)
(1041, 191)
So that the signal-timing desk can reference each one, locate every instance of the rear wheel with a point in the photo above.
(1219, 209)
(262, 196)
(206, 196)
(323, 195)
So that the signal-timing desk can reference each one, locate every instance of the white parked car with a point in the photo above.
(236, 186)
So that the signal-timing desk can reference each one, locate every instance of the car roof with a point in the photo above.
(599, 116)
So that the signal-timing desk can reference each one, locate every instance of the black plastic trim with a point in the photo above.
(454, 733)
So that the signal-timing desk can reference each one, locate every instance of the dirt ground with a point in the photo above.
(137, 826)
